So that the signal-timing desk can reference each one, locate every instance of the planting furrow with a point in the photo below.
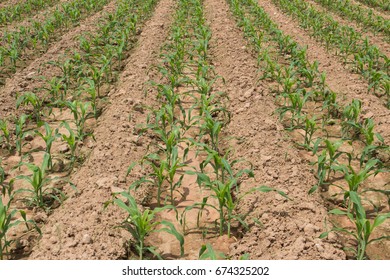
(185, 67)
(99, 57)
(349, 86)
(304, 98)
(28, 79)
(81, 227)
(366, 58)
(286, 229)
(197, 182)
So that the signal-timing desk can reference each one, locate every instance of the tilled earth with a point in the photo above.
(82, 228)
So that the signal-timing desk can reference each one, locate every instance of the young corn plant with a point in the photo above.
(363, 227)
(19, 132)
(80, 114)
(356, 178)
(224, 188)
(367, 131)
(49, 137)
(296, 102)
(71, 140)
(8, 219)
(29, 98)
(310, 128)
(56, 89)
(38, 181)
(330, 105)
(326, 162)
(6, 137)
(351, 125)
(93, 94)
(141, 224)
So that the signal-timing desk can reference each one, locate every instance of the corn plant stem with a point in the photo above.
(1, 246)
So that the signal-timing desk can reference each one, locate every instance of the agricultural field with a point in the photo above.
(194, 129)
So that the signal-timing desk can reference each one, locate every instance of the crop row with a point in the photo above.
(363, 16)
(11, 13)
(367, 59)
(81, 76)
(300, 84)
(18, 46)
(381, 4)
(188, 103)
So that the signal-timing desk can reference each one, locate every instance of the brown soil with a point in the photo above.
(289, 229)
(81, 229)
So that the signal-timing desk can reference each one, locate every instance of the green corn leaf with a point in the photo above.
(172, 230)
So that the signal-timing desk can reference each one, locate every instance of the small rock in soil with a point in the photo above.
(58, 165)
(40, 217)
(53, 240)
(63, 149)
(138, 107)
(30, 75)
(86, 239)
(28, 137)
(116, 189)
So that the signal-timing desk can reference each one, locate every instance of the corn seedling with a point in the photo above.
(71, 140)
(310, 128)
(19, 132)
(356, 178)
(80, 114)
(296, 101)
(350, 119)
(39, 181)
(140, 224)
(363, 226)
(8, 221)
(207, 252)
(223, 189)
(326, 162)
(49, 137)
(6, 137)
(29, 98)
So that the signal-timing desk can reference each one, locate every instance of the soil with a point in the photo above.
(85, 230)
(289, 229)
(279, 228)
